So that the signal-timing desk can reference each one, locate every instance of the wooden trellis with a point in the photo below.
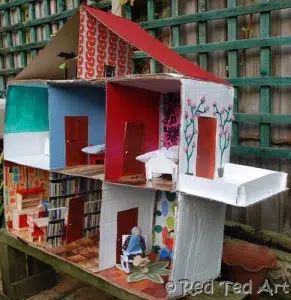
(26, 26)
(232, 46)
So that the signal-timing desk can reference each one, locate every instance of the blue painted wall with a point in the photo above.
(74, 101)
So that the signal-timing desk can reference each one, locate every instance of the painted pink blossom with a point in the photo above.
(189, 135)
(221, 132)
(229, 106)
(188, 101)
(223, 110)
(198, 114)
(193, 104)
(228, 135)
(214, 104)
(207, 108)
(203, 99)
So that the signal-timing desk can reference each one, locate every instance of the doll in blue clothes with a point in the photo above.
(133, 246)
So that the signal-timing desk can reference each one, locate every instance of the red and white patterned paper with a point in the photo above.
(99, 46)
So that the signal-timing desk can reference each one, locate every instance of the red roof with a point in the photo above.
(133, 34)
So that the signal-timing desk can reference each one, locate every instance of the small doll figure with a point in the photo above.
(134, 245)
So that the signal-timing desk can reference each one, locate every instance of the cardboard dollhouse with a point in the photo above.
(167, 146)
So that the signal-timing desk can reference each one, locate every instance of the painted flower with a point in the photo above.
(207, 108)
(228, 135)
(203, 99)
(223, 110)
(197, 114)
(172, 134)
(189, 101)
(229, 107)
(221, 133)
(214, 104)
(189, 135)
(193, 105)
(186, 114)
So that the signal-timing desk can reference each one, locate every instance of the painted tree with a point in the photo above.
(192, 112)
(225, 117)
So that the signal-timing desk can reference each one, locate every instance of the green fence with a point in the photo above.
(232, 46)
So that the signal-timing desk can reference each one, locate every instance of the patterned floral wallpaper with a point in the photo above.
(21, 177)
(171, 111)
(164, 218)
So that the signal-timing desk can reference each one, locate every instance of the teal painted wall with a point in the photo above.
(26, 109)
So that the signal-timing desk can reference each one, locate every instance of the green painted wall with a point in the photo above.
(26, 109)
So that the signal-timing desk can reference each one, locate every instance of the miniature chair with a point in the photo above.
(127, 257)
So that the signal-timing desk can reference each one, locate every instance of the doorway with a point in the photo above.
(206, 146)
(76, 138)
(126, 220)
(133, 146)
(75, 219)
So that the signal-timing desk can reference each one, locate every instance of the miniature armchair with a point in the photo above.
(132, 245)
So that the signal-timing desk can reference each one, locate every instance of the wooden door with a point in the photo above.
(133, 146)
(126, 220)
(76, 135)
(75, 219)
(206, 145)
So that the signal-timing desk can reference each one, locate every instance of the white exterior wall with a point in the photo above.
(118, 198)
(199, 239)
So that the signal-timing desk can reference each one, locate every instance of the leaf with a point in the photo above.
(123, 2)
(136, 276)
(154, 277)
(62, 66)
(160, 265)
(119, 267)
(163, 272)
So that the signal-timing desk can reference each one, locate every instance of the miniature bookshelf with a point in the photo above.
(63, 189)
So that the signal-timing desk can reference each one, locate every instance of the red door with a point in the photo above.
(133, 146)
(76, 135)
(75, 219)
(206, 144)
(126, 220)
